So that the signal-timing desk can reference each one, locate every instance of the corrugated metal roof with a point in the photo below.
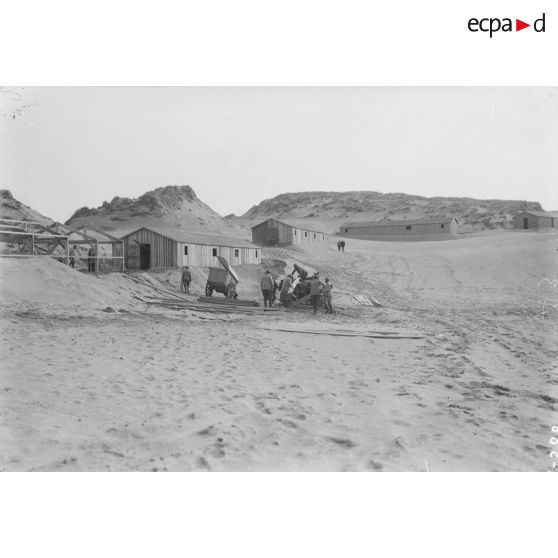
(436, 220)
(197, 238)
(292, 224)
(541, 213)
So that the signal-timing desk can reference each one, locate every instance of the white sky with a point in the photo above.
(239, 146)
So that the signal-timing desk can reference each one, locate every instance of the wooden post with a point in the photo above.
(67, 251)
(32, 244)
(96, 257)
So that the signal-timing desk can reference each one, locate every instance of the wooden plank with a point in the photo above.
(76, 231)
(340, 333)
(366, 300)
(212, 308)
(226, 308)
(231, 301)
(6, 220)
(224, 262)
(38, 235)
(156, 288)
(44, 228)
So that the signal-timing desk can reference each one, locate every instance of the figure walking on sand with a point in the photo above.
(342, 245)
(328, 288)
(185, 280)
(339, 246)
(267, 284)
(315, 291)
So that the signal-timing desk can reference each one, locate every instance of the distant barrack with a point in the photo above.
(436, 220)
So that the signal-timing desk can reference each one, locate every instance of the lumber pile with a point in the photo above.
(211, 308)
(227, 301)
(158, 289)
(180, 301)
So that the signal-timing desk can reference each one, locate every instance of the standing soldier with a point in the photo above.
(285, 297)
(91, 260)
(267, 284)
(328, 287)
(275, 289)
(185, 280)
(73, 257)
(315, 288)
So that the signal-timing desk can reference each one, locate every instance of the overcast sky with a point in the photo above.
(238, 146)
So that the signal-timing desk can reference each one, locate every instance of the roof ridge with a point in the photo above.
(181, 235)
(292, 224)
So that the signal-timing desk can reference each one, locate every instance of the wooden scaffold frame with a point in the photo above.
(34, 239)
(91, 240)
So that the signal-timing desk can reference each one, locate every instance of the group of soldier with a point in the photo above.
(319, 292)
(91, 258)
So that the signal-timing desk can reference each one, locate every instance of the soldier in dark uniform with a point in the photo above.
(185, 280)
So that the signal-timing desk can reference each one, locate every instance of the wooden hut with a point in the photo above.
(401, 229)
(273, 232)
(151, 247)
(536, 220)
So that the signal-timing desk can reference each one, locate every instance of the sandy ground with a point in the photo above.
(152, 389)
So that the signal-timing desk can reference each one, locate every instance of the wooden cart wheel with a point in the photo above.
(208, 289)
(231, 291)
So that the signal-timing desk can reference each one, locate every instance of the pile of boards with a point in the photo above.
(215, 306)
(209, 304)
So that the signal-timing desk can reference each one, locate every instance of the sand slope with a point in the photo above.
(153, 389)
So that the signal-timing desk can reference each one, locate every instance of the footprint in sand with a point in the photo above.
(288, 423)
(218, 448)
(209, 431)
(343, 442)
(261, 406)
(400, 422)
(202, 463)
(358, 384)
(374, 465)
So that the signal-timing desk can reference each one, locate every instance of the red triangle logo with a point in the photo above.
(519, 25)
